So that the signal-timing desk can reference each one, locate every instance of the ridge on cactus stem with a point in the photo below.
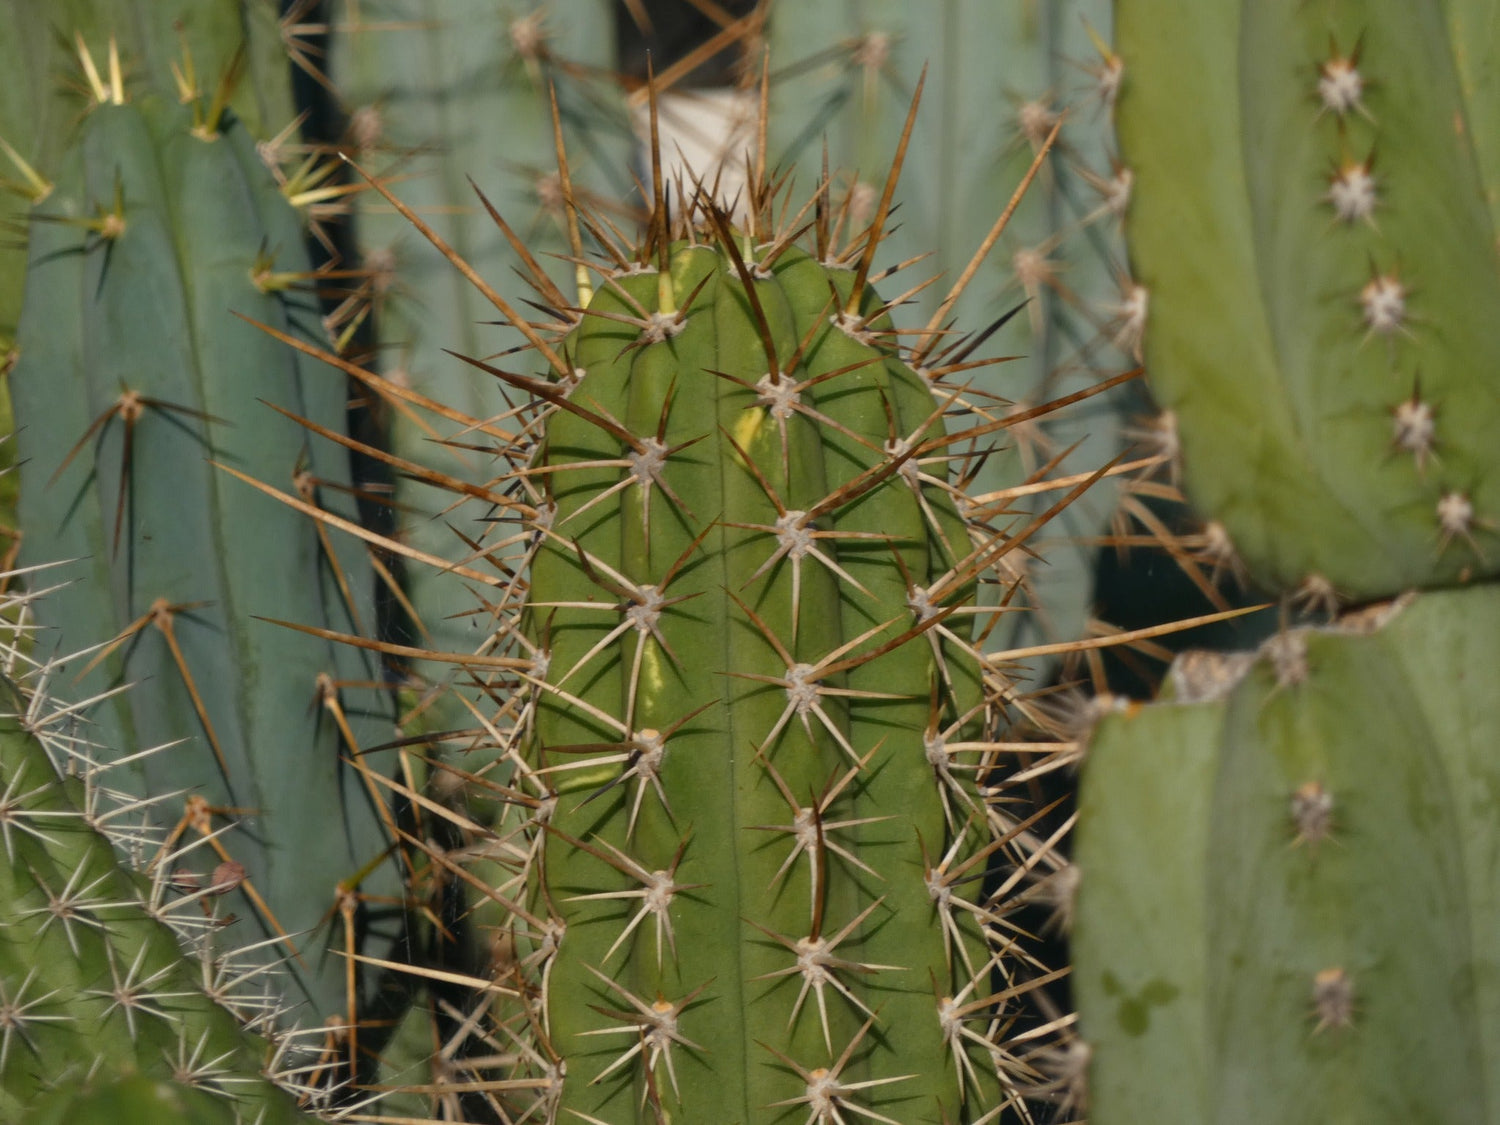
(745, 832)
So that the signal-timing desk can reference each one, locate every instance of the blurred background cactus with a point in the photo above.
(1286, 867)
(131, 379)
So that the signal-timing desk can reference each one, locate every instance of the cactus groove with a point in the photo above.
(132, 374)
(1313, 220)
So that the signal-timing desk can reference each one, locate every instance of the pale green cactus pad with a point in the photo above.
(1313, 228)
(1288, 880)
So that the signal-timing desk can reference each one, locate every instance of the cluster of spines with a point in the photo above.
(1358, 302)
(132, 437)
(1084, 311)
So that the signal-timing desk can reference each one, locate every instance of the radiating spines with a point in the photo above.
(108, 967)
(759, 647)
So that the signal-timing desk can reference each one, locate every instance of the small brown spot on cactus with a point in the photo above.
(226, 877)
(1312, 814)
(1352, 192)
(1333, 1000)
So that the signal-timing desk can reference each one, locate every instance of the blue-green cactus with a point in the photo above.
(132, 375)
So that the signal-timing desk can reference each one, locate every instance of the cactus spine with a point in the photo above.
(1286, 868)
(1318, 245)
(747, 739)
(1004, 73)
(1317, 823)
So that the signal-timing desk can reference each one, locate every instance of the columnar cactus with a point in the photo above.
(445, 96)
(132, 374)
(1003, 73)
(1313, 222)
(1286, 869)
(747, 737)
(107, 976)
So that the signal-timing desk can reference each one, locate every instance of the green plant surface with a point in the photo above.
(444, 97)
(45, 95)
(1288, 886)
(719, 698)
(133, 1100)
(1312, 220)
(999, 75)
(93, 981)
(740, 748)
(133, 376)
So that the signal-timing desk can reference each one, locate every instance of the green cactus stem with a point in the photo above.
(1314, 234)
(108, 975)
(1287, 879)
(749, 748)
(133, 374)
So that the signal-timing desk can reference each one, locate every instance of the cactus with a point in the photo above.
(1309, 836)
(152, 38)
(1003, 73)
(445, 96)
(1285, 869)
(1313, 224)
(104, 971)
(748, 746)
(132, 375)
